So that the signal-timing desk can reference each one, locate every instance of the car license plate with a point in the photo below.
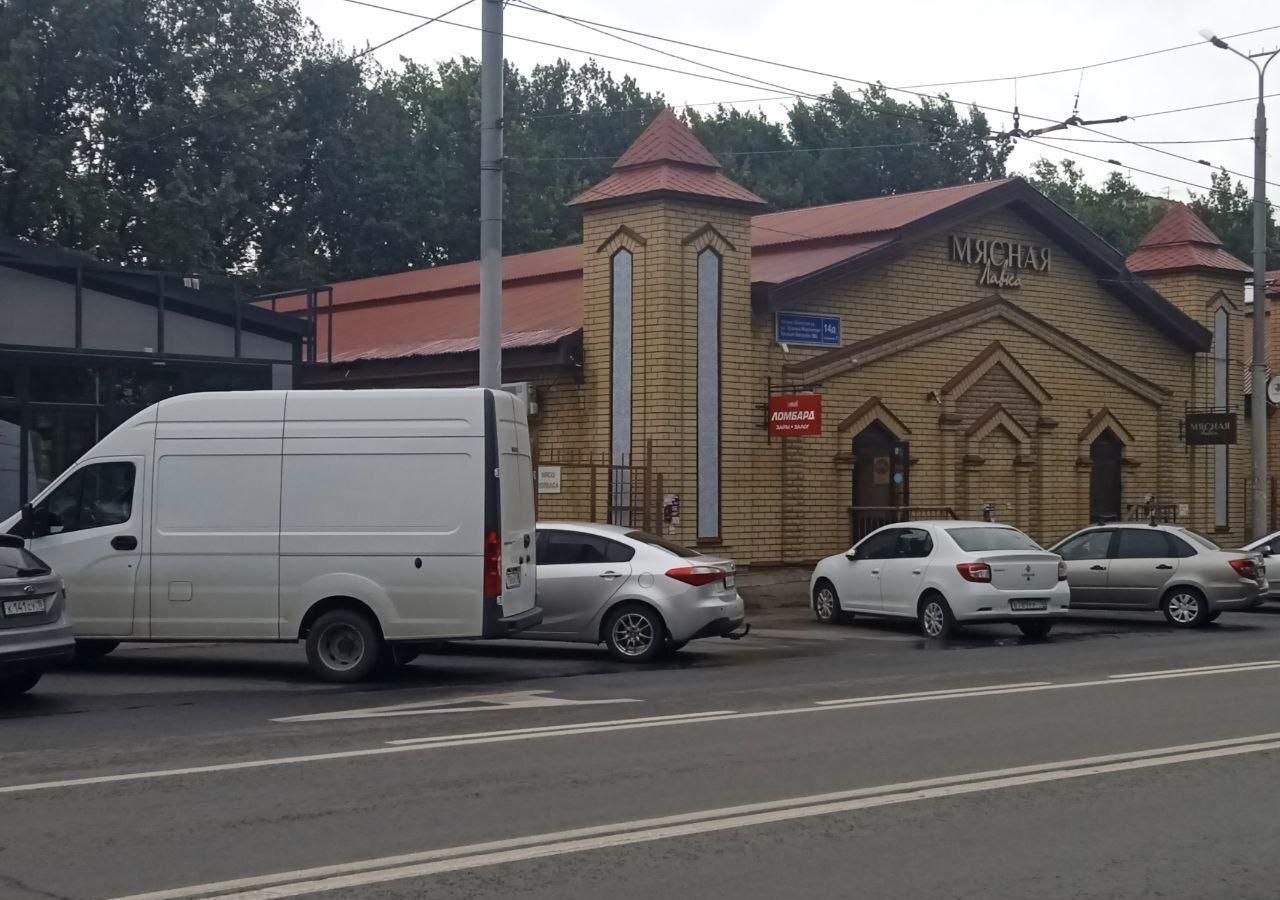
(513, 578)
(1028, 605)
(23, 607)
(728, 580)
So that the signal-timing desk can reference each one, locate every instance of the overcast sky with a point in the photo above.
(917, 42)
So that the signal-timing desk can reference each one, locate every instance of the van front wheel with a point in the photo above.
(343, 646)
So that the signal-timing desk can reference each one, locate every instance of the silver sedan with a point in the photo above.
(1183, 574)
(34, 629)
(637, 593)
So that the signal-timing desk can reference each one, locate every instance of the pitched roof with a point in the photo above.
(436, 311)
(667, 139)
(1181, 240)
(666, 160)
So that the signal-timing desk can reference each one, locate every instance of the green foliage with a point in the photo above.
(227, 136)
(1118, 211)
(1228, 209)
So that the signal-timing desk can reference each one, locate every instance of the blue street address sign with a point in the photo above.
(807, 328)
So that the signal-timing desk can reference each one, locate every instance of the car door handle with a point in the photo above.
(1164, 566)
(1097, 568)
(916, 571)
(609, 576)
(875, 571)
(124, 542)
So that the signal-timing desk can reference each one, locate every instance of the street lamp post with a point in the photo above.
(1258, 402)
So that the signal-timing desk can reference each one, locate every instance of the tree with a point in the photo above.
(1118, 211)
(1228, 209)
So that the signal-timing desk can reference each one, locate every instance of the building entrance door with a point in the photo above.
(881, 479)
(1105, 454)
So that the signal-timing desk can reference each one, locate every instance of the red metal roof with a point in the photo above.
(776, 264)
(859, 217)
(667, 139)
(1181, 240)
(666, 159)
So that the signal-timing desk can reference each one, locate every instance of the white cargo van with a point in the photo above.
(363, 522)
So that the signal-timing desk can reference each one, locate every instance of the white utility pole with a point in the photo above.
(491, 71)
(1258, 406)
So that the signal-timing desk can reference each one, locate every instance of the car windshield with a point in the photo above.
(662, 543)
(15, 562)
(1199, 539)
(978, 539)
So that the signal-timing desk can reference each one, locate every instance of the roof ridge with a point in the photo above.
(949, 187)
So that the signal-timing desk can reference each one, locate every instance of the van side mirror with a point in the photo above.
(38, 522)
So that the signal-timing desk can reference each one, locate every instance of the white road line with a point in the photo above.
(523, 734)
(928, 695)
(473, 703)
(1222, 666)
(430, 862)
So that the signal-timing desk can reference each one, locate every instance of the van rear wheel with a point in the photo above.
(18, 683)
(344, 646)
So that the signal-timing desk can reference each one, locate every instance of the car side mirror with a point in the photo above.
(853, 556)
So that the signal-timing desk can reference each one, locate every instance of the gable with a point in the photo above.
(1051, 249)
(994, 307)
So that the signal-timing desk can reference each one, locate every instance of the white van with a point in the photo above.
(363, 522)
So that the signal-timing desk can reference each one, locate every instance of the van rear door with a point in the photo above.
(515, 507)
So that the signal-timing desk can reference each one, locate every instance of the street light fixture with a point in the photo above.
(1258, 401)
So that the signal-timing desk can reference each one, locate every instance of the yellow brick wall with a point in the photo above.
(788, 500)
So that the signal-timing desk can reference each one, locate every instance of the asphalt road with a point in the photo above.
(1118, 759)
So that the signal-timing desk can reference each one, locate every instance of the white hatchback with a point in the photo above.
(944, 574)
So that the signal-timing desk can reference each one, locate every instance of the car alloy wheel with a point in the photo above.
(936, 621)
(1185, 609)
(825, 605)
(633, 634)
(933, 618)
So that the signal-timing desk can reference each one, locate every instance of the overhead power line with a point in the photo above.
(1094, 65)
(756, 82)
(1073, 121)
(1182, 109)
(1117, 163)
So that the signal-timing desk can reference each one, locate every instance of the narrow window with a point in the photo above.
(620, 398)
(1221, 368)
(708, 394)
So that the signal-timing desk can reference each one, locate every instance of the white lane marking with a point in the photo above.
(473, 703)
(698, 718)
(930, 695)
(1222, 666)
(574, 727)
(1031, 686)
(412, 865)
(398, 747)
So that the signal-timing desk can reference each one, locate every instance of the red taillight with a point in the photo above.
(1062, 570)
(974, 571)
(1245, 568)
(696, 575)
(492, 565)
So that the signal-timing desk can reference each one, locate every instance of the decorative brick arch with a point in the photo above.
(708, 236)
(996, 354)
(873, 410)
(1101, 421)
(623, 238)
(998, 417)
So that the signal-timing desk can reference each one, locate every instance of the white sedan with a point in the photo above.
(944, 574)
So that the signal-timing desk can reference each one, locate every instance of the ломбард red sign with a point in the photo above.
(795, 415)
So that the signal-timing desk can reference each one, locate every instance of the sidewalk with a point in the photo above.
(775, 588)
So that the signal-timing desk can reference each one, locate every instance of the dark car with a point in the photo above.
(35, 631)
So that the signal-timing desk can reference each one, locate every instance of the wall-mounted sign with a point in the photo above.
(806, 328)
(548, 479)
(1211, 428)
(795, 415)
(1000, 260)
(671, 509)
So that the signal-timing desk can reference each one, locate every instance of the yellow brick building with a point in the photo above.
(993, 357)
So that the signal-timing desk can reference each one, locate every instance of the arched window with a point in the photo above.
(1221, 399)
(708, 394)
(620, 355)
(620, 283)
